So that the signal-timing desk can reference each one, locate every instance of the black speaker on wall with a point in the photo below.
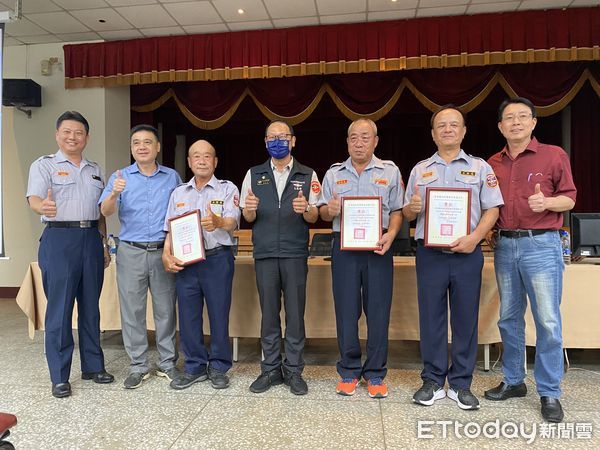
(21, 92)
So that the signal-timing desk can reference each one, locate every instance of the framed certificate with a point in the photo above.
(185, 233)
(360, 224)
(447, 215)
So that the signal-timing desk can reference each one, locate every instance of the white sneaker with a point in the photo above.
(464, 398)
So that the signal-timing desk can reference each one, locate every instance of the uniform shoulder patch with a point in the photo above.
(491, 180)
(337, 164)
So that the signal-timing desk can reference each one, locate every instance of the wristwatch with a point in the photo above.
(308, 207)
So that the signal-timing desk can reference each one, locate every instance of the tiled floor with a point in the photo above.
(154, 416)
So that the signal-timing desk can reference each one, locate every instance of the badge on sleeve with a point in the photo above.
(315, 186)
(491, 180)
(216, 206)
(236, 200)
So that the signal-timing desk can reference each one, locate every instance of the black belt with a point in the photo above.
(73, 224)
(148, 246)
(214, 251)
(521, 233)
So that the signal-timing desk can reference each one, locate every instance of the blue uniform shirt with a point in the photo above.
(464, 171)
(223, 197)
(74, 189)
(143, 203)
(380, 178)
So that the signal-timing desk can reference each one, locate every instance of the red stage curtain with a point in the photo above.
(209, 105)
(434, 42)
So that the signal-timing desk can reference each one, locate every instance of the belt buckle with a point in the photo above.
(152, 247)
(84, 224)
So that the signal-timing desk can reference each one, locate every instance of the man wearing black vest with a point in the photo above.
(278, 198)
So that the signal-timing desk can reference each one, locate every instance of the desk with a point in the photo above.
(580, 306)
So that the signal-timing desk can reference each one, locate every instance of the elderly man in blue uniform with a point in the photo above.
(279, 198)
(363, 280)
(210, 279)
(64, 188)
(140, 193)
(454, 272)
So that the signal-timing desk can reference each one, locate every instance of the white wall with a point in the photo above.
(24, 140)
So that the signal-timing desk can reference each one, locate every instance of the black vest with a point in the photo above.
(279, 232)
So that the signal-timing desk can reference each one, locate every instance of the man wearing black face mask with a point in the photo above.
(278, 198)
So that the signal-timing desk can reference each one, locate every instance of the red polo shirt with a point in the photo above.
(540, 163)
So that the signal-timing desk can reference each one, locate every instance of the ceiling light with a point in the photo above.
(240, 11)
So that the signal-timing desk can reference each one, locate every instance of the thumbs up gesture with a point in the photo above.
(334, 206)
(49, 205)
(210, 221)
(537, 201)
(251, 201)
(119, 183)
(300, 203)
(416, 202)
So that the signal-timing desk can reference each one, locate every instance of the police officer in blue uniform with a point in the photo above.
(64, 189)
(453, 272)
(362, 280)
(211, 279)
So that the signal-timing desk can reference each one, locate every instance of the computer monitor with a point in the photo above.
(585, 234)
(403, 244)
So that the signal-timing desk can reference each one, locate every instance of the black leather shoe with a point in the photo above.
(61, 390)
(102, 377)
(505, 391)
(551, 409)
(295, 381)
(266, 380)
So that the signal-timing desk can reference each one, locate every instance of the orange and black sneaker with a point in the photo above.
(346, 386)
(377, 388)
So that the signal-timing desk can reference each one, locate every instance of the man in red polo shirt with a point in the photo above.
(537, 187)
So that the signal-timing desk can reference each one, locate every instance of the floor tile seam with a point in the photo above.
(191, 421)
(296, 398)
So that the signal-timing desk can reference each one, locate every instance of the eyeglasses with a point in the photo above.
(279, 137)
(522, 117)
(364, 138)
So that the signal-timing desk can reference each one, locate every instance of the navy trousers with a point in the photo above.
(209, 280)
(362, 281)
(72, 265)
(457, 277)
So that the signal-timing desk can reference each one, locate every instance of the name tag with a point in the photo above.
(427, 175)
(381, 181)
(341, 182)
(62, 174)
(468, 173)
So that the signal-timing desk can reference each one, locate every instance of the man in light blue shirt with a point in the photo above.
(363, 280)
(209, 280)
(140, 193)
(450, 275)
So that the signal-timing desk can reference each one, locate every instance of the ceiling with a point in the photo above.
(46, 21)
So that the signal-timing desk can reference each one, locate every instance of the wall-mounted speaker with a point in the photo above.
(21, 92)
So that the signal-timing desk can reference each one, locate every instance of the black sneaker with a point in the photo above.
(429, 393)
(265, 380)
(295, 381)
(464, 398)
(218, 379)
(169, 374)
(135, 380)
(185, 380)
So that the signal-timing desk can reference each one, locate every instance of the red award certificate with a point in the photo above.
(360, 224)
(447, 215)
(185, 233)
